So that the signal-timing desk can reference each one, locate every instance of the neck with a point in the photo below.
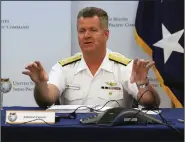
(94, 61)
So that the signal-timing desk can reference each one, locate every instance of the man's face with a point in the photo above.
(92, 36)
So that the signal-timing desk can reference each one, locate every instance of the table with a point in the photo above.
(72, 130)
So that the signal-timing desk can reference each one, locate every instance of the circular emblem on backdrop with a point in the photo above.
(12, 117)
(6, 85)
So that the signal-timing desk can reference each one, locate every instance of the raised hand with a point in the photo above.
(140, 70)
(36, 72)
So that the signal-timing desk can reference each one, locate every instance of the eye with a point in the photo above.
(94, 30)
(81, 30)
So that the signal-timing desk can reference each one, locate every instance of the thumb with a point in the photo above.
(44, 75)
(132, 78)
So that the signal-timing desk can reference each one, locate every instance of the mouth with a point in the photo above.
(87, 43)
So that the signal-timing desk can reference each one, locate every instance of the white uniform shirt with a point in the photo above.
(78, 86)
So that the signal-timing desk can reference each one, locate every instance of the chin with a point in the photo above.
(89, 49)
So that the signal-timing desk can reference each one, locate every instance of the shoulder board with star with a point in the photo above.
(70, 60)
(119, 58)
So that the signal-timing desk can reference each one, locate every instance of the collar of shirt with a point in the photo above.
(106, 64)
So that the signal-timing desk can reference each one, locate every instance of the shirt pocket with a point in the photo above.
(73, 95)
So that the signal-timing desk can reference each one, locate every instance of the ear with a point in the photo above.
(107, 33)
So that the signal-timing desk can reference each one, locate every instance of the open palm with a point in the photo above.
(140, 70)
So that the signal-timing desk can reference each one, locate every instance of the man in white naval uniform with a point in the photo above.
(96, 75)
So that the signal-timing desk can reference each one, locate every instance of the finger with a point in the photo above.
(132, 80)
(26, 73)
(135, 61)
(150, 64)
(39, 65)
(134, 64)
(142, 63)
(32, 67)
(139, 63)
(146, 62)
(29, 65)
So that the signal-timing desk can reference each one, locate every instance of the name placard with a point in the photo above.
(30, 117)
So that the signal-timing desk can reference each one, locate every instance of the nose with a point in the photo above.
(87, 34)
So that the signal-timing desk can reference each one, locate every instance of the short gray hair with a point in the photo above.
(94, 11)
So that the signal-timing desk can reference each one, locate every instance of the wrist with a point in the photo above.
(142, 83)
(40, 84)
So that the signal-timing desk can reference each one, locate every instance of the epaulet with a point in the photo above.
(119, 58)
(70, 60)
